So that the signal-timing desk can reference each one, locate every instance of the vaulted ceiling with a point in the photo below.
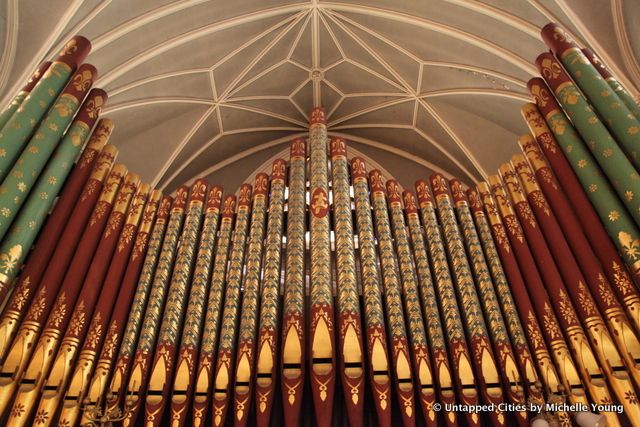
(219, 88)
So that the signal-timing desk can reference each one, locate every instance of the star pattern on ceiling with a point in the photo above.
(201, 88)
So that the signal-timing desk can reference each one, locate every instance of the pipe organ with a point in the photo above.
(323, 293)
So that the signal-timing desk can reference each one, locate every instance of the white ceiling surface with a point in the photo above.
(219, 88)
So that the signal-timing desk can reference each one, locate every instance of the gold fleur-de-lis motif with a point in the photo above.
(165, 205)
(456, 189)
(320, 202)
(93, 108)
(376, 180)
(181, 197)
(229, 205)
(540, 94)
(474, 199)
(215, 196)
(279, 169)
(409, 202)
(9, 259)
(82, 81)
(423, 191)
(630, 246)
(262, 182)
(393, 190)
(298, 147)
(245, 194)
(595, 59)
(198, 190)
(35, 75)
(550, 69)
(69, 48)
(338, 145)
(561, 35)
(318, 116)
(439, 184)
(358, 167)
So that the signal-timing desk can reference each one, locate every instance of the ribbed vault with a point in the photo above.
(216, 89)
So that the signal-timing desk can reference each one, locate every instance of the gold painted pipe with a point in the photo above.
(267, 347)
(226, 347)
(348, 304)
(400, 354)
(415, 324)
(292, 372)
(462, 371)
(589, 369)
(379, 365)
(601, 342)
(322, 321)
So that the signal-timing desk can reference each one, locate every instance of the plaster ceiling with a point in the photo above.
(218, 89)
